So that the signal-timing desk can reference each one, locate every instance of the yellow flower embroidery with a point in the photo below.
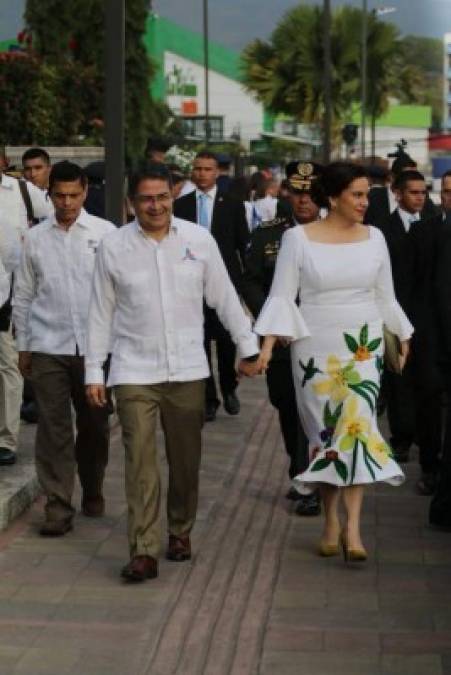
(336, 386)
(351, 426)
(379, 449)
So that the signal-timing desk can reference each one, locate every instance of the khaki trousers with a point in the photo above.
(58, 381)
(11, 385)
(181, 407)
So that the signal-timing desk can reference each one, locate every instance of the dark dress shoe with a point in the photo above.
(427, 484)
(56, 528)
(179, 548)
(309, 505)
(93, 507)
(7, 457)
(293, 495)
(231, 404)
(140, 568)
(210, 411)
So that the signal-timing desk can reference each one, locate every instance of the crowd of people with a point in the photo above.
(308, 281)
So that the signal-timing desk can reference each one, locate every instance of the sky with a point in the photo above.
(234, 23)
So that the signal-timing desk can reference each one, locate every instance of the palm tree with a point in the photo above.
(286, 72)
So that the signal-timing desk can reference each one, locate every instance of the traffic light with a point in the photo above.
(349, 133)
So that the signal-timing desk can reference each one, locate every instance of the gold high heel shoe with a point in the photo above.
(352, 554)
(328, 550)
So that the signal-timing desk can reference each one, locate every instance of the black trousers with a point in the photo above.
(226, 355)
(415, 413)
(440, 509)
(279, 379)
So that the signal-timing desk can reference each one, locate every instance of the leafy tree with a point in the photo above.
(419, 74)
(286, 72)
(66, 76)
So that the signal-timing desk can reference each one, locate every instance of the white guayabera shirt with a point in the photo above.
(147, 304)
(53, 284)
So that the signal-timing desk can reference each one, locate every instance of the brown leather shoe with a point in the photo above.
(56, 528)
(140, 568)
(93, 507)
(179, 548)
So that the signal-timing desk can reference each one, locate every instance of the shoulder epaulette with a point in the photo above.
(280, 220)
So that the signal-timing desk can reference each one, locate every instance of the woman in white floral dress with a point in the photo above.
(340, 269)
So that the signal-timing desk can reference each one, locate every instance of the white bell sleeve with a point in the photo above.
(280, 314)
(390, 310)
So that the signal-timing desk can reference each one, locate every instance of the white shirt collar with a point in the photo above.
(211, 193)
(408, 218)
(82, 220)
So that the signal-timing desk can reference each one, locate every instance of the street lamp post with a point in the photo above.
(327, 122)
(114, 109)
(364, 75)
(206, 72)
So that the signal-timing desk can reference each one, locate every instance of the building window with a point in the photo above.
(195, 127)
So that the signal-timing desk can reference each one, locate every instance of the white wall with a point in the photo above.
(227, 99)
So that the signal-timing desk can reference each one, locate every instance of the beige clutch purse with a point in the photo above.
(392, 351)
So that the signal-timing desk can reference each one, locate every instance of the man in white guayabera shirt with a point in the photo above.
(150, 281)
(50, 309)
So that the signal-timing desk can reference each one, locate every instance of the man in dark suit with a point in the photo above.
(225, 218)
(440, 509)
(382, 201)
(259, 271)
(414, 397)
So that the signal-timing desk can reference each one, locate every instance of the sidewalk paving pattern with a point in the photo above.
(255, 599)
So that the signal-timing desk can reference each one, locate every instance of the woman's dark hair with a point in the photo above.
(335, 178)
(67, 172)
(148, 171)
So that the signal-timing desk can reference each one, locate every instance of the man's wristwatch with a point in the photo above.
(251, 359)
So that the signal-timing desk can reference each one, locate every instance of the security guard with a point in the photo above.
(260, 264)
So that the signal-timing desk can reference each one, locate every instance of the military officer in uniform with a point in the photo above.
(259, 270)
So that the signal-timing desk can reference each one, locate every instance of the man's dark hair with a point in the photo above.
(157, 143)
(149, 171)
(400, 182)
(402, 163)
(67, 172)
(206, 154)
(36, 153)
(447, 174)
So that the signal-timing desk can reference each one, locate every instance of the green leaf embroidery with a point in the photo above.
(341, 469)
(352, 377)
(327, 416)
(374, 344)
(321, 464)
(351, 343)
(364, 394)
(368, 465)
(371, 458)
(363, 338)
(354, 461)
(337, 414)
(310, 370)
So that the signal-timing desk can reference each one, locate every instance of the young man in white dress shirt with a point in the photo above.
(50, 308)
(150, 282)
(14, 212)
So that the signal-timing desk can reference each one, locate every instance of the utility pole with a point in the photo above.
(114, 109)
(364, 75)
(206, 72)
(327, 120)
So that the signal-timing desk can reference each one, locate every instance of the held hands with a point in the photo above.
(96, 395)
(25, 364)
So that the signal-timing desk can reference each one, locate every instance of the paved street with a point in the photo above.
(254, 599)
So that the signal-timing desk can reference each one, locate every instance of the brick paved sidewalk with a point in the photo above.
(254, 599)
